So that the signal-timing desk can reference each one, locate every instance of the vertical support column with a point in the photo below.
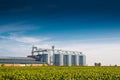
(52, 60)
(32, 51)
(84, 60)
(69, 59)
(61, 59)
(77, 60)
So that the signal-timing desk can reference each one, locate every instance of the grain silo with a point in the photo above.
(58, 59)
(67, 59)
(82, 59)
(73, 59)
(46, 58)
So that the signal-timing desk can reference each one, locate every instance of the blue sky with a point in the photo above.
(91, 26)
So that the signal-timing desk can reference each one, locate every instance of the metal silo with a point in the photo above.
(82, 60)
(67, 59)
(58, 59)
(46, 58)
(73, 59)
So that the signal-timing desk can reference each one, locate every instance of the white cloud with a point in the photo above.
(20, 46)
(18, 26)
(24, 39)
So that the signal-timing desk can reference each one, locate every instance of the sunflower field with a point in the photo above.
(59, 73)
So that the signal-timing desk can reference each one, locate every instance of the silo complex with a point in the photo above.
(69, 59)
(61, 57)
(52, 56)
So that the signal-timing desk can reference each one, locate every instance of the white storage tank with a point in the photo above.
(73, 61)
(82, 59)
(46, 58)
(67, 59)
(58, 59)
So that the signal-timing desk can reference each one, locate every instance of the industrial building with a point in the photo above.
(48, 56)
(18, 60)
